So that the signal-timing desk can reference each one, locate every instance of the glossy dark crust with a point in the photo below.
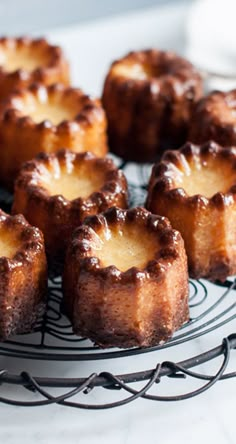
(147, 116)
(214, 119)
(99, 300)
(23, 279)
(57, 216)
(55, 71)
(85, 132)
(187, 213)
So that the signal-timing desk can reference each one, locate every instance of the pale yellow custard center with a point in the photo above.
(20, 58)
(41, 106)
(9, 244)
(53, 112)
(135, 71)
(126, 248)
(81, 182)
(207, 179)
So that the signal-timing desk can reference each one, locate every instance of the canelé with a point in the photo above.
(57, 191)
(23, 275)
(25, 60)
(195, 188)
(214, 119)
(148, 97)
(45, 119)
(125, 279)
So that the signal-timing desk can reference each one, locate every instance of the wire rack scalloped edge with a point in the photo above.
(108, 380)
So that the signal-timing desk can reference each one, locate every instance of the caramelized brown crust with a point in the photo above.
(23, 278)
(53, 69)
(55, 215)
(207, 224)
(214, 119)
(137, 307)
(21, 138)
(147, 115)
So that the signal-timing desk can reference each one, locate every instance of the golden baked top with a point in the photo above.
(126, 242)
(25, 56)
(79, 179)
(220, 105)
(73, 180)
(51, 106)
(154, 65)
(200, 174)
(126, 248)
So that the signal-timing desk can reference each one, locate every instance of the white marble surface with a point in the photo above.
(207, 418)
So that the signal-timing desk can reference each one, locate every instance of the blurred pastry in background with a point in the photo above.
(45, 119)
(26, 60)
(148, 97)
(214, 118)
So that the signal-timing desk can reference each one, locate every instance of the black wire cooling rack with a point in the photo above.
(212, 306)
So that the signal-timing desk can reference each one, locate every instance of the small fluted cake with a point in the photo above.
(125, 280)
(25, 60)
(195, 188)
(23, 275)
(56, 192)
(148, 97)
(45, 119)
(214, 119)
